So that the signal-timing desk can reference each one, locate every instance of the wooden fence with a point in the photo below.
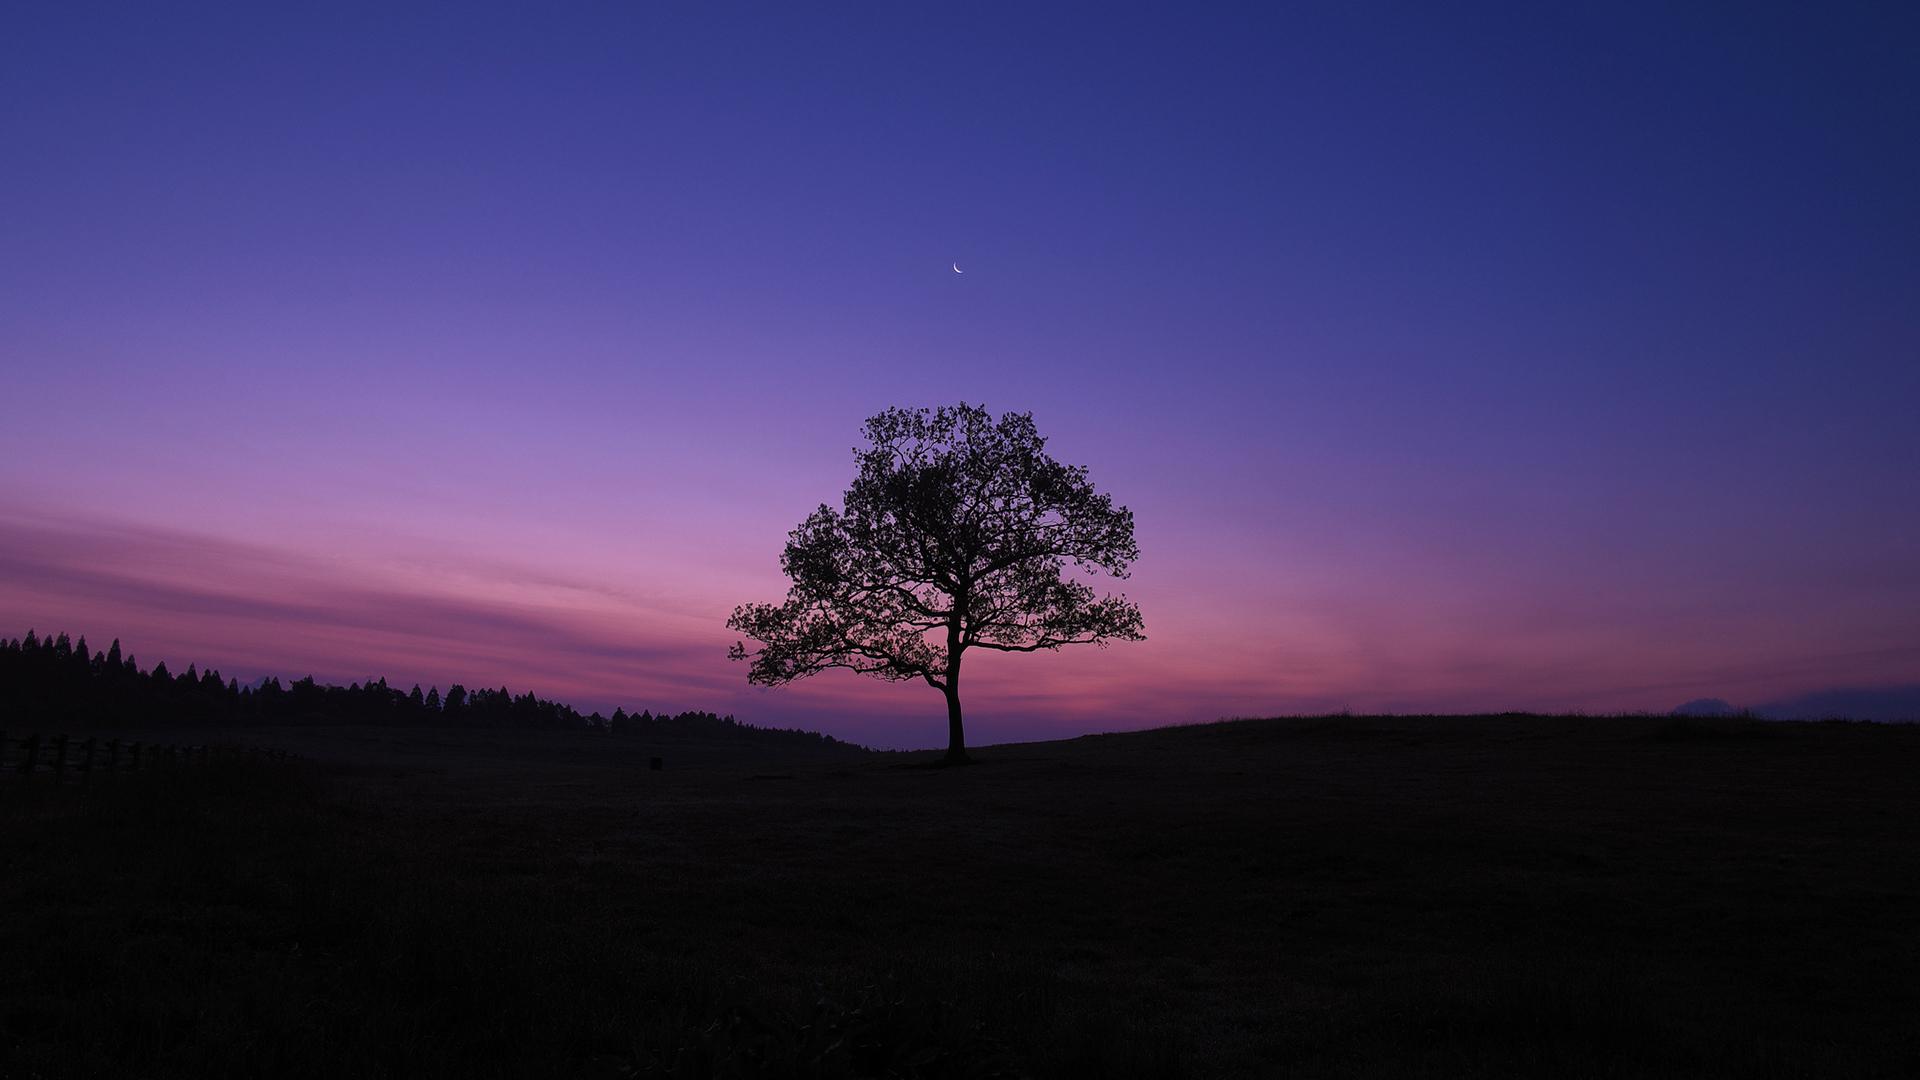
(61, 754)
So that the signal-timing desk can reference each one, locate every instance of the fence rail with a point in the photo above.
(61, 754)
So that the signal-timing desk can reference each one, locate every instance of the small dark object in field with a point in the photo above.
(771, 776)
(1709, 729)
(937, 763)
(656, 764)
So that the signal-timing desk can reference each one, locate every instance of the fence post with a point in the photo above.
(60, 756)
(32, 756)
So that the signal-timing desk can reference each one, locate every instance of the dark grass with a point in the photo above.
(1497, 896)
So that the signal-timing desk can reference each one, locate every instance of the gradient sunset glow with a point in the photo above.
(1443, 368)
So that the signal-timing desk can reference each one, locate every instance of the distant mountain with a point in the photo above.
(1859, 703)
(1885, 704)
(1706, 706)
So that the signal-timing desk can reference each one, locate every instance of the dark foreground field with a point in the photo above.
(1351, 897)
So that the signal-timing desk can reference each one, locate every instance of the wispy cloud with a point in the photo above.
(435, 616)
(253, 609)
(285, 612)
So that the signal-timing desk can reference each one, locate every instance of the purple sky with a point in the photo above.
(1449, 358)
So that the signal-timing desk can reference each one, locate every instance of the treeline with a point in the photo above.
(55, 682)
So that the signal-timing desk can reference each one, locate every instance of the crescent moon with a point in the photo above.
(957, 270)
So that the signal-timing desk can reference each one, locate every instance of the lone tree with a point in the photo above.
(958, 533)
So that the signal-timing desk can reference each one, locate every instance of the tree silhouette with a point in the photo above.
(958, 532)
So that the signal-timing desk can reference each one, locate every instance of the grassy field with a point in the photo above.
(1494, 896)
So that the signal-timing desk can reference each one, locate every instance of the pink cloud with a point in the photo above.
(1387, 629)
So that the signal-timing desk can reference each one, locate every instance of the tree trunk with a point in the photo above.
(956, 739)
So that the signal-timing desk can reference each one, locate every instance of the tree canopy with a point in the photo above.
(959, 531)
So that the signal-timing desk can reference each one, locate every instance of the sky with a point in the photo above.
(1451, 357)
